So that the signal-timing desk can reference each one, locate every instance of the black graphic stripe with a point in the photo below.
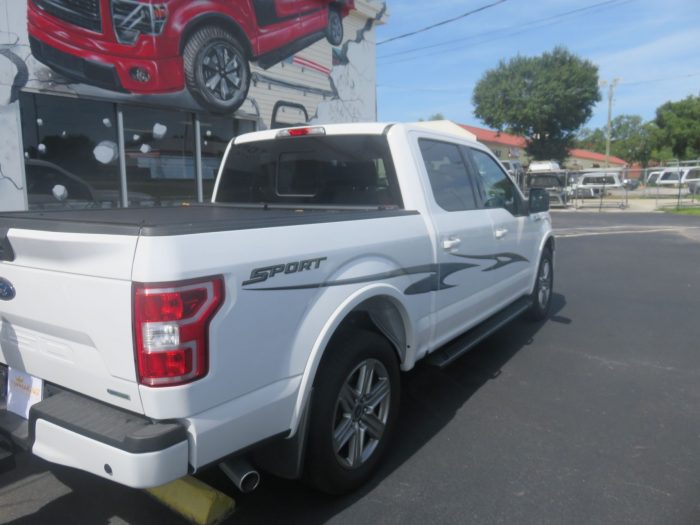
(435, 281)
(500, 259)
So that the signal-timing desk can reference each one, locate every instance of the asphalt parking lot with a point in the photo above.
(590, 417)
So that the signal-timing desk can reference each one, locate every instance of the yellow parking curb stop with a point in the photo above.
(194, 500)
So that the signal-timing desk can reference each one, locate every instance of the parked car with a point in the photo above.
(670, 177)
(543, 165)
(593, 184)
(653, 177)
(554, 182)
(148, 47)
(272, 325)
(691, 175)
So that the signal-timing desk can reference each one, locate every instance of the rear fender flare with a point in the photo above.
(319, 342)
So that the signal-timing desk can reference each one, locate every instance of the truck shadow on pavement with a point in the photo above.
(430, 399)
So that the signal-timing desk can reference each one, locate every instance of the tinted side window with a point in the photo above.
(449, 179)
(499, 189)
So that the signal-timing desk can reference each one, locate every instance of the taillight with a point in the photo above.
(301, 132)
(171, 328)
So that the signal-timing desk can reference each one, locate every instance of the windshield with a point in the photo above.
(326, 171)
(601, 179)
(544, 181)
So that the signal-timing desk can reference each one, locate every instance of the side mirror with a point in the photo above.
(538, 201)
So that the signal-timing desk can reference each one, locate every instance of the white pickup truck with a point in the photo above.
(271, 325)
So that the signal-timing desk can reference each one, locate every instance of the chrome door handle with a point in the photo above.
(501, 232)
(451, 243)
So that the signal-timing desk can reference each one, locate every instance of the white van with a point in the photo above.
(670, 177)
(593, 184)
(691, 175)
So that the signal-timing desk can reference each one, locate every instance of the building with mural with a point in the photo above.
(109, 103)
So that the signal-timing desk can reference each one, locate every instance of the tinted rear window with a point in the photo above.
(338, 170)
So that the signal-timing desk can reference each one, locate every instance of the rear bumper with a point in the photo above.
(82, 433)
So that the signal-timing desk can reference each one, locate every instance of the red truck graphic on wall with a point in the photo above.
(161, 46)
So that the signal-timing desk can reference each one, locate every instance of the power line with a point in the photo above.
(527, 26)
(660, 79)
(442, 23)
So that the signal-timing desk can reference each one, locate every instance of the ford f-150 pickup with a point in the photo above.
(271, 326)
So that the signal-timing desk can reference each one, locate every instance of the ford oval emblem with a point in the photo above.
(7, 291)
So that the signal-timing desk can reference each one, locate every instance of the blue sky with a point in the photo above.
(652, 46)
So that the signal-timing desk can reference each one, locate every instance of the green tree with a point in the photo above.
(545, 98)
(679, 127)
(630, 139)
(434, 116)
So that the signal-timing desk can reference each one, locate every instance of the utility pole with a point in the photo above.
(611, 89)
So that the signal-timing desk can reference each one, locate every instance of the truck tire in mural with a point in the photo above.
(164, 46)
(216, 69)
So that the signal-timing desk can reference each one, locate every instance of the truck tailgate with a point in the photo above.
(68, 318)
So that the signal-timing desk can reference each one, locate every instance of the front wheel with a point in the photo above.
(334, 30)
(354, 408)
(216, 70)
(542, 293)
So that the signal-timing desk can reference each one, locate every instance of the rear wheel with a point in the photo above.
(354, 409)
(216, 70)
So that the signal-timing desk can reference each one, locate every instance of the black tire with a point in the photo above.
(542, 293)
(334, 29)
(217, 72)
(339, 423)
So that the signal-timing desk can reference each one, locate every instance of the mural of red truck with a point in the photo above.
(162, 46)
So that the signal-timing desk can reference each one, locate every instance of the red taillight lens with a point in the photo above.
(171, 328)
(301, 132)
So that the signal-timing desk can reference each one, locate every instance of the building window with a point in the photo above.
(159, 146)
(71, 153)
(71, 150)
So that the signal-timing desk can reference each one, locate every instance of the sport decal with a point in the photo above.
(434, 281)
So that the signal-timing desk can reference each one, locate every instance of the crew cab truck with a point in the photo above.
(271, 324)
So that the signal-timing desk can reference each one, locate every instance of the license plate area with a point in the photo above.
(21, 391)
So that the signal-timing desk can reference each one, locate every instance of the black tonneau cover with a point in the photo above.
(181, 220)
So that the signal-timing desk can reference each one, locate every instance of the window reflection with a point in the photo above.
(159, 147)
(216, 133)
(71, 153)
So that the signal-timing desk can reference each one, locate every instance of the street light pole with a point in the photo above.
(611, 89)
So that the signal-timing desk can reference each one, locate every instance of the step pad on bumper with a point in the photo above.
(117, 428)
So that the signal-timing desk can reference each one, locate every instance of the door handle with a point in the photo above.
(501, 232)
(451, 243)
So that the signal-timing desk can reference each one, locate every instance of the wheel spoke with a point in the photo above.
(219, 56)
(379, 393)
(375, 428)
(347, 398)
(365, 379)
(232, 65)
(224, 89)
(213, 82)
(356, 446)
(235, 80)
(343, 433)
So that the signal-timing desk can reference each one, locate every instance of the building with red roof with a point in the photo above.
(512, 147)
